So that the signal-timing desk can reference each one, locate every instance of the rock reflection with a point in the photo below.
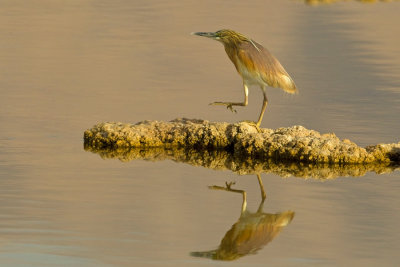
(224, 160)
(251, 232)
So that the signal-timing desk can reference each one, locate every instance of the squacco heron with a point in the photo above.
(251, 232)
(255, 64)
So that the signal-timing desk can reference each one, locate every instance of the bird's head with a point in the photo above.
(227, 37)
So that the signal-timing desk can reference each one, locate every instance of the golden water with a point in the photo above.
(66, 65)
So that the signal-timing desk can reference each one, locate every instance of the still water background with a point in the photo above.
(66, 65)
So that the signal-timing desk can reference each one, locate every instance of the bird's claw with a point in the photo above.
(254, 124)
(228, 105)
(229, 185)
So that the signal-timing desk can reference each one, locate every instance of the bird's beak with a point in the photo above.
(211, 35)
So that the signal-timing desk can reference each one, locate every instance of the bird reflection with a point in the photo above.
(251, 232)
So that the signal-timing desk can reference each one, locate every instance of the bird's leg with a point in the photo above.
(258, 123)
(263, 194)
(229, 105)
(265, 102)
(228, 188)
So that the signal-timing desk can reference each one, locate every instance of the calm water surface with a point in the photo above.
(66, 65)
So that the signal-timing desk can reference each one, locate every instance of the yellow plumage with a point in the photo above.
(254, 63)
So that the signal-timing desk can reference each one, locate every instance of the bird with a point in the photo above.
(255, 64)
(251, 232)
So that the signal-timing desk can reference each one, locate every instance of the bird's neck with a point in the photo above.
(232, 52)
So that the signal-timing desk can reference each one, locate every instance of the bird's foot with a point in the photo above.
(229, 185)
(228, 105)
(226, 188)
(254, 124)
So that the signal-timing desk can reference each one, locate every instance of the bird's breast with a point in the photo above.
(249, 77)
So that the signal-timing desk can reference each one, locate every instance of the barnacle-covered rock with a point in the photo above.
(292, 144)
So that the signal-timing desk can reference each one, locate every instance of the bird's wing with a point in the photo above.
(259, 59)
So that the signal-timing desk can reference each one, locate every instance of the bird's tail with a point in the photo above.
(288, 85)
